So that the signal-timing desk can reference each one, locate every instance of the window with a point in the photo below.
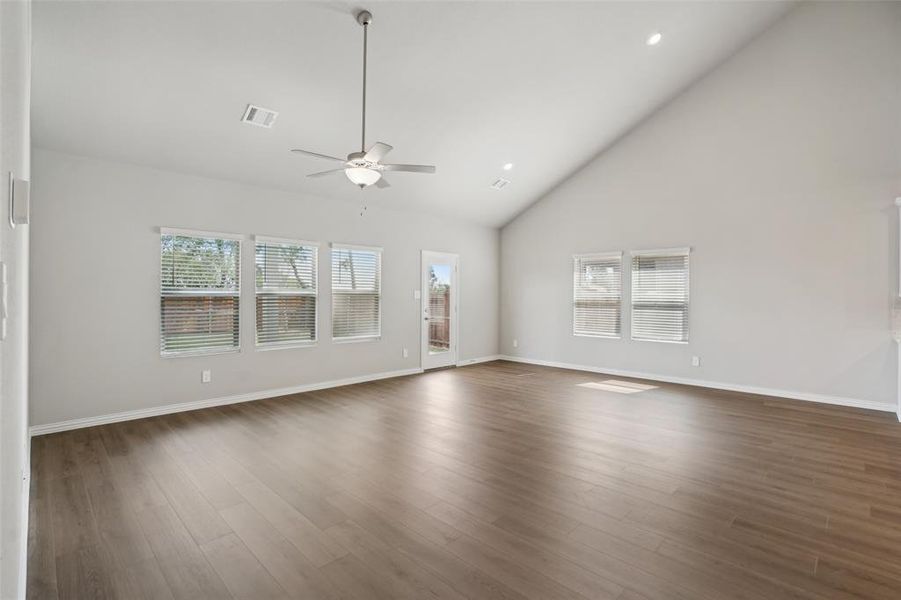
(660, 295)
(597, 294)
(286, 298)
(356, 292)
(199, 292)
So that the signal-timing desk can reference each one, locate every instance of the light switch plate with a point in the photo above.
(19, 201)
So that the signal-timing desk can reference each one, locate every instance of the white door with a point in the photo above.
(440, 293)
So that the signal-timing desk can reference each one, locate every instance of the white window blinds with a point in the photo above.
(597, 294)
(199, 292)
(356, 292)
(286, 292)
(660, 295)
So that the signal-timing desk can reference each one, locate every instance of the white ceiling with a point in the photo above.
(466, 86)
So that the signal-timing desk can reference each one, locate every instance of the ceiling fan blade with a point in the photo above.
(410, 168)
(323, 173)
(377, 152)
(382, 183)
(317, 155)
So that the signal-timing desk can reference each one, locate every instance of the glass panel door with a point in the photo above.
(439, 309)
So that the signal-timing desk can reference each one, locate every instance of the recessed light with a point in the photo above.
(654, 38)
(508, 166)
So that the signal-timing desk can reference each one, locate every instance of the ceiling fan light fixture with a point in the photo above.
(362, 176)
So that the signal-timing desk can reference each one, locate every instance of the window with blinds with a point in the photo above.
(660, 295)
(286, 292)
(597, 294)
(356, 292)
(199, 292)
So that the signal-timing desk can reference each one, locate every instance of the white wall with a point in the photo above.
(15, 86)
(779, 169)
(95, 278)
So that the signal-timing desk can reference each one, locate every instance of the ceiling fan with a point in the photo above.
(365, 168)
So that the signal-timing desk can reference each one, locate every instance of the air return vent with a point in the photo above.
(500, 184)
(259, 116)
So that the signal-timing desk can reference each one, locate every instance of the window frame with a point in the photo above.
(361, 338)
(267, 346)
(208, 235)
(598, 255)
(661, 253)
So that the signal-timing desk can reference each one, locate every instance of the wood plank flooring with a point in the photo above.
(499, 480)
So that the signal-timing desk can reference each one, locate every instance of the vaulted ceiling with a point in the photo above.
(466, 86)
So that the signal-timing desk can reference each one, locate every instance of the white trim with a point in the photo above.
(357, 339)
(601, 256)
(378, 292)
(425, 355)
(898, 393)
(284, 346)
(662, 252)
(201, 293)
(207, 235)
(672, 252)
(748, 389)
(340, 246)
(23, 519)
(475, 361)
(209, 352)
(258, 291)
(598, 336)
(612, 254)
(265, 239)
(222, 401)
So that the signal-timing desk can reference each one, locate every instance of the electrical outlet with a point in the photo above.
(416, 295)
(406, 353)
(696, 361)
(516, 343)
(206, 376)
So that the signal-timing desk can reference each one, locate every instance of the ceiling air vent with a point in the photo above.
(500, 184)
(259, 116)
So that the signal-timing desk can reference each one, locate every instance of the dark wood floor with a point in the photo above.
(493, 481)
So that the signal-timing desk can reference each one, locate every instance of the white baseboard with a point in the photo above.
(732, 387)
(194, 405)
(23, 519)
(235, 399)
(475, 361)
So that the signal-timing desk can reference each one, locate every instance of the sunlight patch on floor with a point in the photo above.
(618, 386)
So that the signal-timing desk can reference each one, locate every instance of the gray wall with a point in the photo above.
(15, 86)
(779, 169)
(95, 277)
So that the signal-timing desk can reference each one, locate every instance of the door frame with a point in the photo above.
(454, 353)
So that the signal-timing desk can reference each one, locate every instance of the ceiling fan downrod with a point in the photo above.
(364, 18)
